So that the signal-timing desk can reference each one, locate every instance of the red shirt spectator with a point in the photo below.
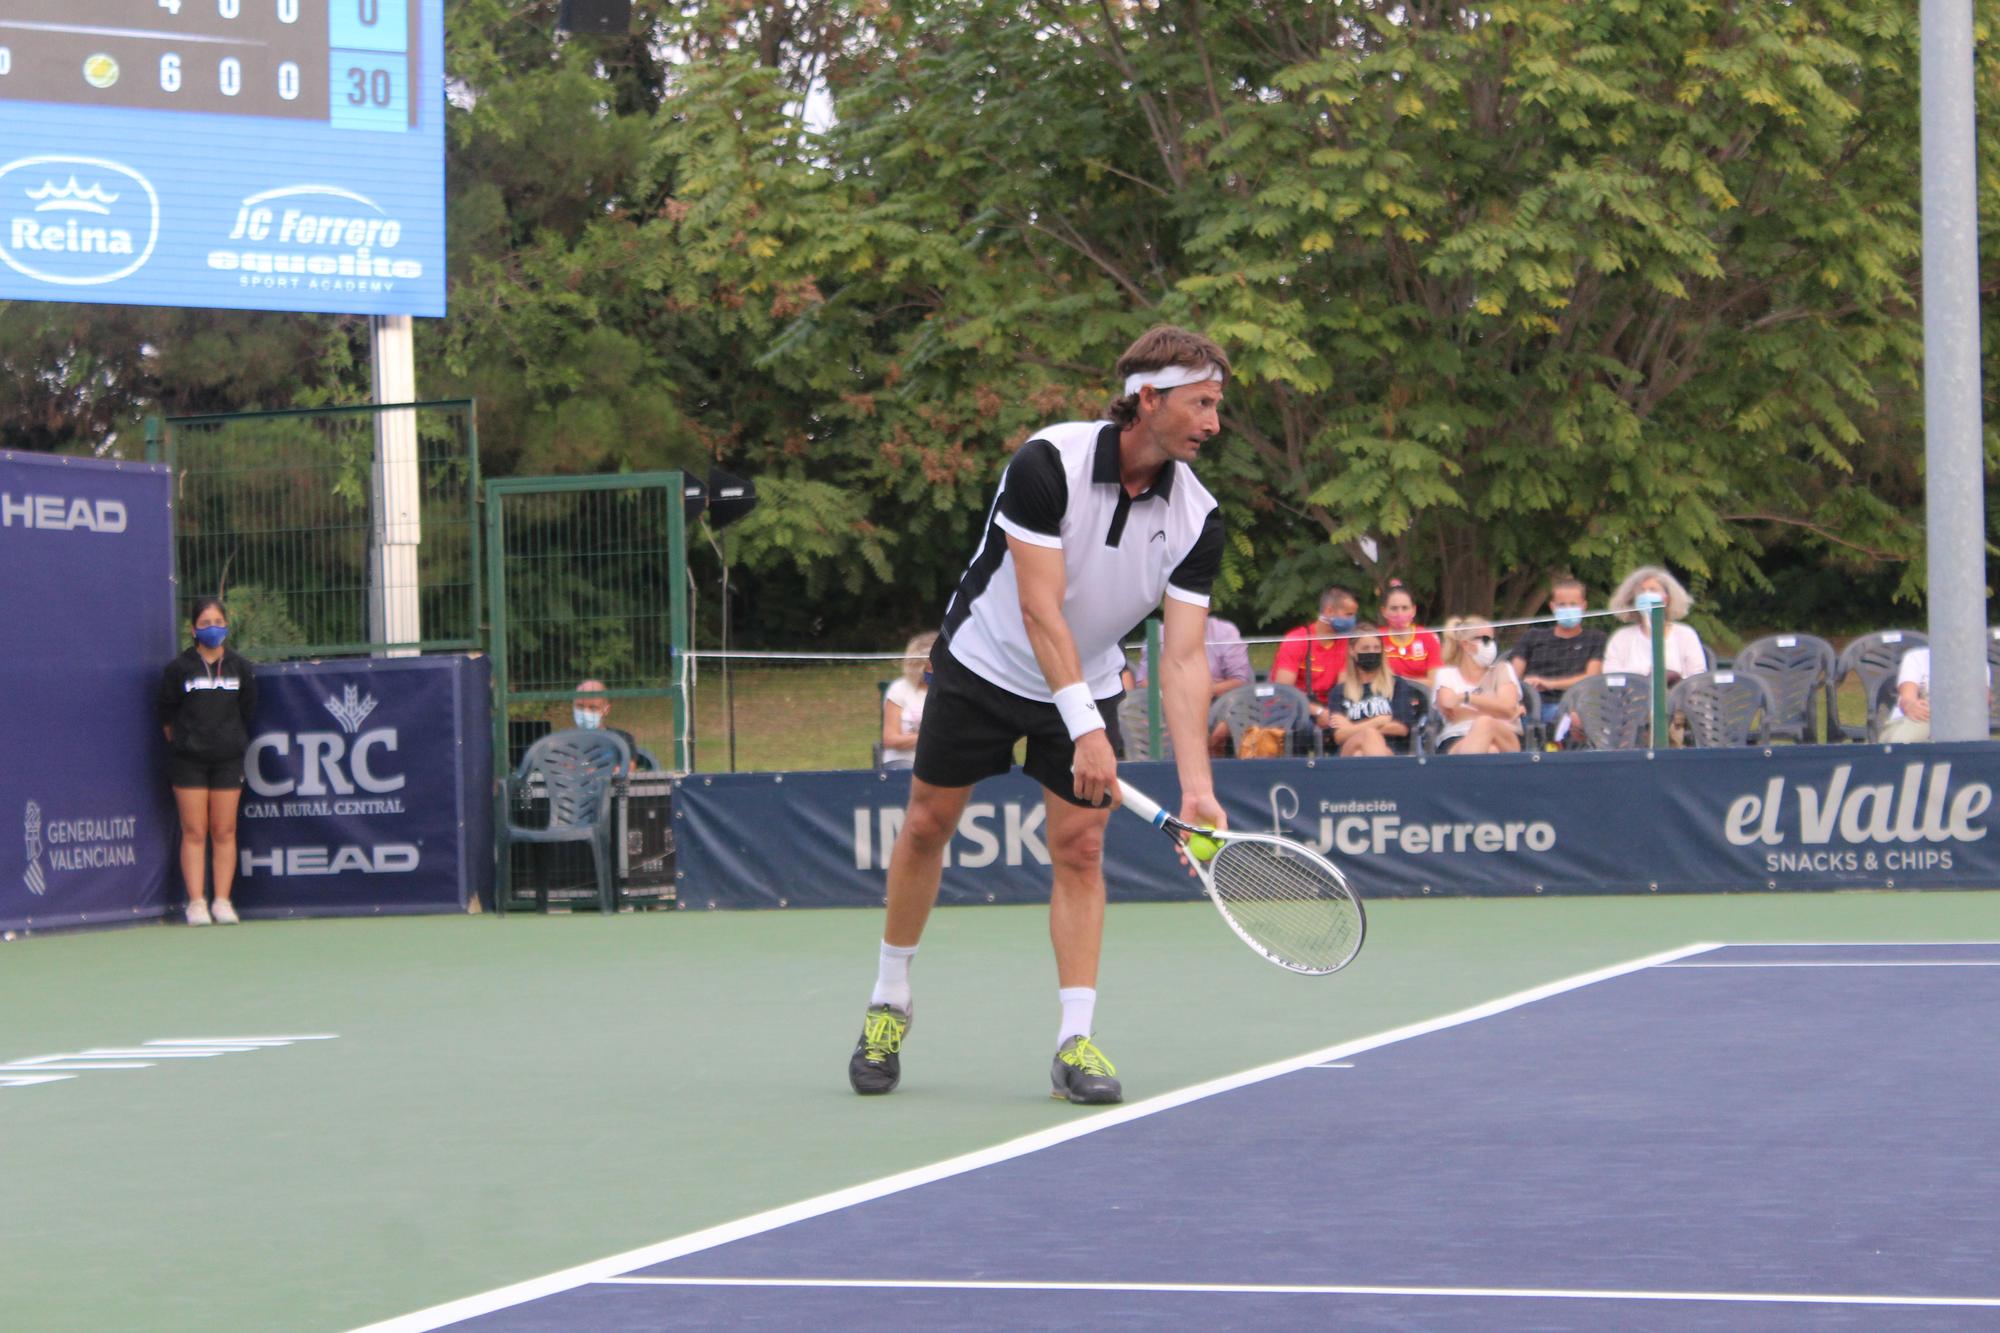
(1314, 661)
(1412, 654)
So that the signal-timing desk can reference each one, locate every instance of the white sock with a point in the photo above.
(892, 976)
(1078, 1005)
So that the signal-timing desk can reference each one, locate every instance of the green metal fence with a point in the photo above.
(331, 531)
(589, 582)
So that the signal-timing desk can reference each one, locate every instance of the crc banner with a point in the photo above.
(1797, 817)
(368, 788)
(87, 827)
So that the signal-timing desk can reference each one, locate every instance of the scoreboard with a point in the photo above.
(252, 154)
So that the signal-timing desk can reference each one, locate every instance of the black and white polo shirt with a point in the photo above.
(1121, 554)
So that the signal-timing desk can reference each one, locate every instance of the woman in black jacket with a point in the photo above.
(206, 698)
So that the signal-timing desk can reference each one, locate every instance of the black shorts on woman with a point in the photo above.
(972, 725)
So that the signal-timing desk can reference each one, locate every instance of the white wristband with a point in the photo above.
(1079, 710)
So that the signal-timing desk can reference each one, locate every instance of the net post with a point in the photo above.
(1153, 686)
(153, 439)
(1657, 618)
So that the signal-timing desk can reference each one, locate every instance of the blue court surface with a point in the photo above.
(1718, 1137)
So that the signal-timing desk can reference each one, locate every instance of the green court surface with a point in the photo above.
(504, 1098)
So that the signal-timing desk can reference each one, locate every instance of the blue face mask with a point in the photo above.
(1646, 601)
(1339, 624)
(211, 636)
(927, 676)
(586, 718)
(1569, 617)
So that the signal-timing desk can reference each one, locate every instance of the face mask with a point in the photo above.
(1485, 651)
(1646, 601)
(927, 677)
(587, 719)
(1370, 663)
(211, 636)
(1569, 617)
(1339, 624)
(1399, 619)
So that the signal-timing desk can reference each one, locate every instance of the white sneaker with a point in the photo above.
(225, 912)
(197, 913)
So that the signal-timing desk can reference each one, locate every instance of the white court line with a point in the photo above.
(568, 1279)
(1312, 1289)
(1864, 944)
(1908, 962)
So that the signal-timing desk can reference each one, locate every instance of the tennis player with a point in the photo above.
(1097, 524)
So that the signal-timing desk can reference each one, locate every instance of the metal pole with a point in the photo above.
(394, 614)
(1657, 619)
(1954, 465)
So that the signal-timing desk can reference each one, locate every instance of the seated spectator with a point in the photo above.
(1554, 657)
(903, 703)
(1630, 650)
(1910, 719)
(589, 710)
(1477, 694)
(1374, 710)
(1413, 653)
(1228, 669)
(1310, 657)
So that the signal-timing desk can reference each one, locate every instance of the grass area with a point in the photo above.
(507, 1097)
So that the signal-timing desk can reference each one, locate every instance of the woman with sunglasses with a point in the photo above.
(1477, 694)
(206, 698)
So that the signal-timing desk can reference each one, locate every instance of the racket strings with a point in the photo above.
(1295, 906)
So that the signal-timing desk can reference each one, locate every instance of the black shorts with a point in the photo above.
(971, 725)
(214, 774)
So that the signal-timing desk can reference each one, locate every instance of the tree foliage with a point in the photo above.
(1511, 288)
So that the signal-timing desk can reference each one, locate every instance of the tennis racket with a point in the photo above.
(1283, 899)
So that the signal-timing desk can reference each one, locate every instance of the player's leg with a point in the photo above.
(1081, 1073)
(966, 736)
(222, 804)
(916, 864)
(192, 804)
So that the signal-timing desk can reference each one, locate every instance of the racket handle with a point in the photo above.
(1141, 804)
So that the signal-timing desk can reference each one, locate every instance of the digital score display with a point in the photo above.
(252, 154)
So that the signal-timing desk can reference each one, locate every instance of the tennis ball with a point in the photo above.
(1202, 848)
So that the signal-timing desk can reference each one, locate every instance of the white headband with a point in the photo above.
(1171, 377)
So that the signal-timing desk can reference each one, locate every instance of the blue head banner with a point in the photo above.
(86, 589)
(368, 788)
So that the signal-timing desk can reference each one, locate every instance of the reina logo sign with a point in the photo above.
(76, 221)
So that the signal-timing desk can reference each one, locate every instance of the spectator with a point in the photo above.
(1554, 657)
(205, 701)
(1310, 658)
(903, 703)
(1630, 650)
(589, 709)
(1374, 710)
(1228, 669)
(1476, 693)
(1413, 653)
(1910, 718)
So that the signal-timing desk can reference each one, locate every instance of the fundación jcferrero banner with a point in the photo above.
(1746, 820)
(86, 580)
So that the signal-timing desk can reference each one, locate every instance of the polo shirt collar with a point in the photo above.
(1104, 467)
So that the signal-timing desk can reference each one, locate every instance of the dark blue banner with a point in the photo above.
(1795, 817)
(87, 828)
(368, 788)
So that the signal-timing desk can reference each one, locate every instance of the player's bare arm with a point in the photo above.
(1184, 696)
(1043, 579)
